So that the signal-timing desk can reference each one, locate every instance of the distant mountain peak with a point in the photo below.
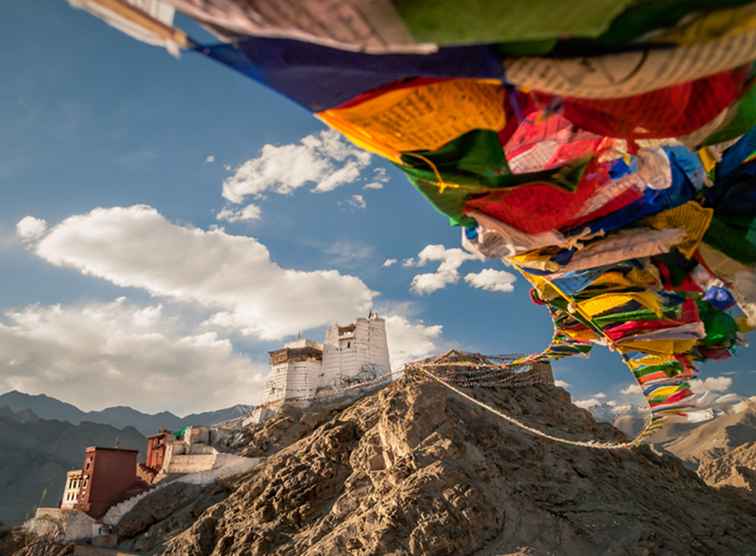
(119, 416)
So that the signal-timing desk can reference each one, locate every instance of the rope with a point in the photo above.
(583, 444)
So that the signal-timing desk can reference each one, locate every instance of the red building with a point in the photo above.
(108, 476)
(157, 444)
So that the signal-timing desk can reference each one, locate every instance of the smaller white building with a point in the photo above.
(295, 371)
(71, 491)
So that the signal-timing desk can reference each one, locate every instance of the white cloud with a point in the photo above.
(358, 201)
(410, 340)
(325, 161)
(30, 229)
(447, 272)
(623, 409)
(124, 353)
(210, 158)
(389, 262)
(631, 389)
(589, 403)
(409, 263)
(712, 384)
(599, 395)
(250, 212)
(561, 383)
(492, 280)
(137, 247)
(380, 176)
(427, 283)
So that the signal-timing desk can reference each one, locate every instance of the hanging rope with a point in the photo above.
(583, 444)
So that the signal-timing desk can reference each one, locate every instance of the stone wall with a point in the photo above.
(63, 525)
(191, 463)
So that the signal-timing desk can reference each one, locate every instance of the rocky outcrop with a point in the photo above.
(173, 509)
(717, 437)
(735, 471)
(284, 428)
(415, 469)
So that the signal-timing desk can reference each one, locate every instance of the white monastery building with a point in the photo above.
(304, 371)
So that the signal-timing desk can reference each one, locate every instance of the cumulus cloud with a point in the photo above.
(30, 229)
(210, 158)
(389, 262)
(374, 185)
(623, 409)
(250, 212)
(324, 161)
(233, 275)
(561, 383)
(409, 340)
(631, 389)
(590, 403)
(124, 353)
(446, 273)
(711, 384)
(409, 263)
(492, 280)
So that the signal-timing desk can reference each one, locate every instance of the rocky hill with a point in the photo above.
(734, 471)
(415, 469)
(36, 453)
(717, 437)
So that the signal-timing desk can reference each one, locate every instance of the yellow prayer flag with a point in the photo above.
(607, 302)
(420, 118)
(691, 218)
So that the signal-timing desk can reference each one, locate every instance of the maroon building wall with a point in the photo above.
(107, 475)
(156, 446)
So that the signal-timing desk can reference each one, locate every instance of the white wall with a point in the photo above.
(346, 355)
(226, 466)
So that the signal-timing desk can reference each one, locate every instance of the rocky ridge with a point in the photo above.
(415, 469)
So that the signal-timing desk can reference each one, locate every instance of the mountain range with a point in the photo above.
(35, 455)
(41, 438)
(45, 407)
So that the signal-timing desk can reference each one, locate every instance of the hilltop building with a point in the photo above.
(111, 483)
(295, 371)
(108, 476)
(304, 371)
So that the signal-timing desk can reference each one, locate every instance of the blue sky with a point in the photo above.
(92, 118)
